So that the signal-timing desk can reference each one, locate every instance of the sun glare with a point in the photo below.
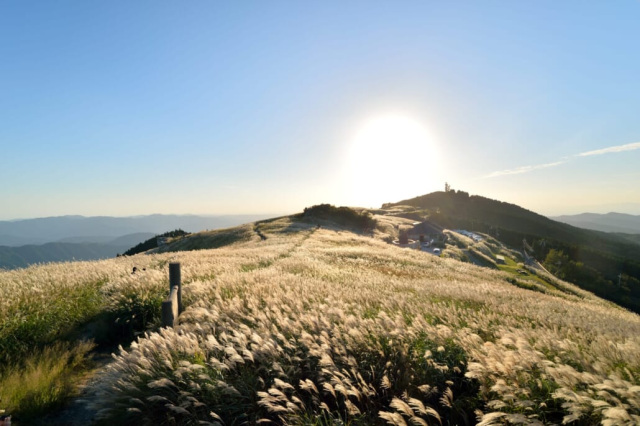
(391, 157)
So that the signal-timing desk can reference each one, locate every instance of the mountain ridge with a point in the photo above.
(52, 229)
(27, 255)
(608, 222)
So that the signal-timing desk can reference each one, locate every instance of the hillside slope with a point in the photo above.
(607, 264)
(322, 325)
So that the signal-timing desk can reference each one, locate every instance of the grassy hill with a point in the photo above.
(606, 264)
(295, 324)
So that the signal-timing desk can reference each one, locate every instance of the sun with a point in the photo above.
(391, 157)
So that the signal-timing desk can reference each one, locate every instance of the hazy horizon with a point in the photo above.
(602, 210)
(205, 215)
(125, 109)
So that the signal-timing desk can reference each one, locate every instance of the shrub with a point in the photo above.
(345, 216)
(152, 243)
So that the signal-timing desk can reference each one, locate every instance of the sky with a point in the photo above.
(208, 107)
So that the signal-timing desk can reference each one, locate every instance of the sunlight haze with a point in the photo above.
(391, 157)
(125, 108)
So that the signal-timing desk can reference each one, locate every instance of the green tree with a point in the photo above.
(557, 262)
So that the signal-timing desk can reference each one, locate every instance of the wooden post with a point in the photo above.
(172, 307)
(175, 280)
(168, 319)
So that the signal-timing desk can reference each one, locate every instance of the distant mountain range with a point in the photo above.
(99, 229)
(23, 256)
(610, 222)
(65, 238)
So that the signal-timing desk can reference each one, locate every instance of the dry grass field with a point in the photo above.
(315, 327)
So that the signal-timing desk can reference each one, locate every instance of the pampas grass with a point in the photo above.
(327, 327)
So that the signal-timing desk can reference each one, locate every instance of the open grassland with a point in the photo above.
(317, 326)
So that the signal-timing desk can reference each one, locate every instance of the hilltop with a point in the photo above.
(606, 264)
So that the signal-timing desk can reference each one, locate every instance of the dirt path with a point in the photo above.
(76, 412)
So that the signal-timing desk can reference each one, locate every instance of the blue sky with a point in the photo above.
(122, 108)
